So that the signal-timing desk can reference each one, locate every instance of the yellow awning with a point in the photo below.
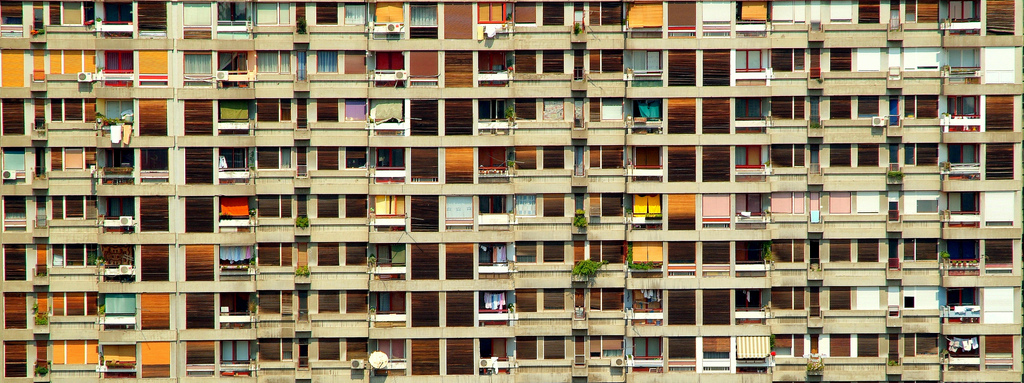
(752, 347)
(754, 10)
(389, 13)
(645, 15)
(654, 204)
(119, 353)
(153, 62)
(639, 206)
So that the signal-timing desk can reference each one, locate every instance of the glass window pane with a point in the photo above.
(355, 14)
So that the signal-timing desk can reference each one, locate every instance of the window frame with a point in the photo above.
(746, 54)
(490, 5)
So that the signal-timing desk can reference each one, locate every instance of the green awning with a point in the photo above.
(234, 110)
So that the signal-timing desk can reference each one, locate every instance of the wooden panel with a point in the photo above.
(425, 213)
(154, 214)
(998, 161)
(152, 16)
(329, 349)
(526, 300)
(424, 164)
(199, 262)
(198, 117)
(425, 357)
(199, 214)
(328, 254)
(459, 358)
(425, 306)
(682, 68)
(682, 212)
(15, 359)
(716, 253)
(459, 261)
(682, 307)
(682, 164)
(154, 260)
(927, 107)
(867, 345)
(458, 69)
(716, 164)
(715, 115)
(155, 311)
(13, 116)
(839, 155)
(198, 166)
(927, 11)
(458, 165)
(328, 301)
(200, 352)
(999, 113)
(270, 349)
(554, 299)
(927, 154)
(611, 61)
(554, 157)
(867, 155)
(199, 310)
(526, 62)
(611, 205)
(458, 21)
(270, 302)
(554, 205)
(459, 308)
(611, 299)
(356, 301)
(682, 116)
(611, 157)
(424, 114)
(716, 307)
(611, 251)
(839, 345)
(553, 13)
(526, 108)
(782, 155)
(325, 13)
(611, 13)
(153, 118)
(682, 348)
(268, 110)
(867, 11)
(839, 298)
(840, 60)
(682, 252)
(355, 254)
(1000, 17)
(327, 157)
(15, 310)
(716, 67)
(553, 61)
(554, 347)
(999, 344)
(782, 60)
(458, 117)
(999, 251)
(782, 298)
(14, 259)
(355, 206)
(867, 250)
(425, 262)
(840, 108)
(839, 250)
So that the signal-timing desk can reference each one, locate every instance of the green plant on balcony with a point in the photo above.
(577, 28)
(766, 252)
(894, 174)
(893, 362)
(101, 310)
(302, 222)
(42, 368)
(300, 25)
(302, 271)
(41, 273)
(38, 32)
(107, 121)
(587, 268)
(944, 255)
(637, 265)
(510, 114)
(815, 125)
(253, 306)
(42, 319)
(580, 220)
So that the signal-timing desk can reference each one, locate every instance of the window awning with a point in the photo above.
(234, 110)
(119, 353)
(754, 11)
(384, 110)
(647, 252)
(645, 15)
(389, 13)
(234, 206)
(752, 347)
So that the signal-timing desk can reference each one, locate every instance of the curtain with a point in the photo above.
(383, 110)
(120, 304)
(459, 208)
(198, 63)
(715, 205)
(267, 62)
(355, 110)
(197, 14)
(526, 205)
(649, 108)
(327, 61)
(234, 110)
(423, 16)
(355, 14)
(235, 253)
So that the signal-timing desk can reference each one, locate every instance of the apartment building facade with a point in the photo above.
(332, 191)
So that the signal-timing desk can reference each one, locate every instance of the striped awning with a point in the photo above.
(752, 347)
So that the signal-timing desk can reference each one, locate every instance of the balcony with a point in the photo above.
(115, 27)
(387, 220)
(641, 172)
(390, 76)
(747, 315)
(502, 316)
(117, 321)
(961, 171)
(644, 220)
(962, 267)
(494, 173)
(756, 74)
(235, 76)
(960, 218)
(118, 175)
(498, 76)
(390, 127)
(754, 124)
(645, 316)
(387, 30)
(388, 174)
(389, 270)
(961, 314)
(154, 176)
(496, 219)
(752, 219)
(231, 224)
(235, 320)
(118, 77)
(237, 26)
(752, 173)
(123, 223)
(644, 125)
(961, 123)
(233, 176)
(495, 268)
(752, 28)
(969, 75)
(495, 127)
(234, 127)
(961, 26)
(388, 319)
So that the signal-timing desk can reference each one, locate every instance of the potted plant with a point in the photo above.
(253, 307)
(577, 28)
(302, 271)
(42, 368)
(302, 222)
(510, 114)
(300, 25)
(586, 269)
(371, 260)
(894, 174)
(579, 221)
(101, 310)
(944, 255)
(766, 253)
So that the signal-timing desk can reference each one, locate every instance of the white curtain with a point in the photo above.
(526, 205)
(198, 14)
(459, 208)
(198, 63)
(356, 14)
(423, 15)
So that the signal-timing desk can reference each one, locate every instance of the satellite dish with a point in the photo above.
(378, 360)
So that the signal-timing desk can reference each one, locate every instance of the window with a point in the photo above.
(553, 110)
(355, 110)
(389, 206)
(611, 109)
(76, 13)
(74, 159)
(72, 255)
(963, 153)
(389, 302)
(119, 13)
(749, 109)
(273, 14)
(526, 205)
(232, 13)
(275, 62)
(647, 348)
(390, 158)
(327, 61)
(491, 110)
(962, 58)
(197, 14)
(273, 158)
(393, 348)
(492, 204)
(493, 254)
(233, 159)
(153, 160)
(839, 203)
(120, 206)
(198, 66)
(606, 346)
(963, 10)
(645, 61)
(787, 203)
(749, 61)
(423, 16)
(355, 158)
(355, 14)
(459, 209)
(962, 106)
(493, 13)
(234, 351)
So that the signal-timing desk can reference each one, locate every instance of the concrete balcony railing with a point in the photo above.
(233, 176)
(495, 76)
(961, 313)
(960, 218)
(961, 171)
(496, 219)
(237, 320)
(234, 127)
(496, 268)
(965, 26)
(386, 220)
(115, 27)
(965, 123)
(388, 319)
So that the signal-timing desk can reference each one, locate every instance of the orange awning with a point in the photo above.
(234, 206)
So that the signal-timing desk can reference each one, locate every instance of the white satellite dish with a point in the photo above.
(378, 360)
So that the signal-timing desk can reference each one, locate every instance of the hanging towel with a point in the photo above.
(223, 162)
(115, 134)
(127, 134)
(500, 250)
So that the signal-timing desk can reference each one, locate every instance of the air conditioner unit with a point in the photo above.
(358, 364)
(394, 27)
(878, 121)
(10, 175)
(618, 362)
(400, 75)
(126, 220)
(222, 76)
(125, 269)
(85, 77)
(894, 167)
(486, 363)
